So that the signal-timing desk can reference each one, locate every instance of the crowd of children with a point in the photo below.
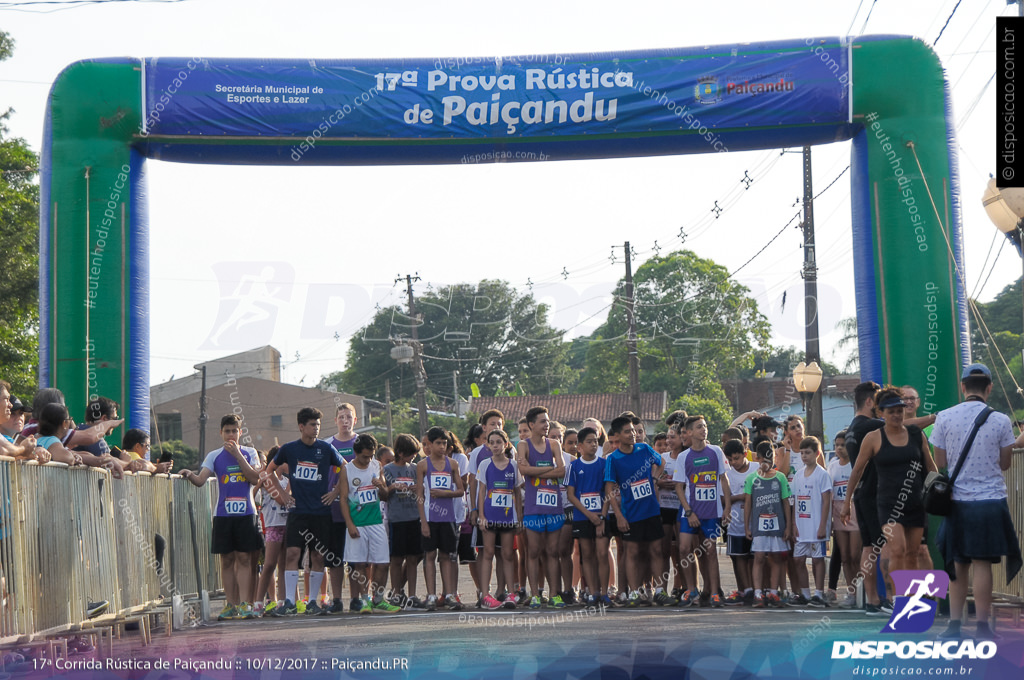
(539, 516)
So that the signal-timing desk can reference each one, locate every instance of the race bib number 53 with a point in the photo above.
(768, 522)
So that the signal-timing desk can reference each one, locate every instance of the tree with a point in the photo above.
(781, 361)
(1002, 317)
(688, 311)
(19, 257)
(490, 333)
(185, 457)
(704, 396)
(848, 327)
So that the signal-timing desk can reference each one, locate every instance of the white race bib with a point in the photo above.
(235, 506)
(768, 522)
(640, 489)
(307, 472)
(547, 498)
(803, 506)
(501, 498)
(366, 494)
(591, 501)
(706, 493)
(840, 490)
(441, 480)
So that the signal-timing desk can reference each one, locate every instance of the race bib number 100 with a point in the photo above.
(547, 498)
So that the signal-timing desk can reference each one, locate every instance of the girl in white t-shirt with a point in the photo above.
(847, 534)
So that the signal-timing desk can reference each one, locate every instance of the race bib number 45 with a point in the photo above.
(840, 490)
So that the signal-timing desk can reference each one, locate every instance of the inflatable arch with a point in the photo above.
(886, 93)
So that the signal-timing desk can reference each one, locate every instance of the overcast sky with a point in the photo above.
(223, 234)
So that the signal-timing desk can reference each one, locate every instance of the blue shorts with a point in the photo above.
(711, 528)
(544, 523)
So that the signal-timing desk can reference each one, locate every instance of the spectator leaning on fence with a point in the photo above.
(25, 449)
(978, 531)
(235, 533)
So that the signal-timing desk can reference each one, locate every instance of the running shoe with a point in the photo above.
(228, 613)
(886, 606)
(286, 609)
(337, 607)
(849, 601)
(635, 599)
(521, 595)
(269, 609)
(798, 600)
(364, 607)
(431, 604)
(94, 609)
(735, 599)
(690, 598)
(716, 601)
(817, 601)
(556, 602)
(569, 598)
(748, 597)
(355, 605)
(663, 599)
(535, 602)
(489, 602)
(244, 611)
(300, 606)
(622, 600)
(453, 603)
(953, 631)
(314, 609)
(774, 600)
(397, 599)
(677, 593)
(831, 598)
(873, 610)
(385, 607)
(760, 603)
(415, 603)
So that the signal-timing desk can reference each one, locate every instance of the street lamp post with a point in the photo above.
(807, 379)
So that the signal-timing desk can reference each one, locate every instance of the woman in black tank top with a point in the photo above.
(903, 460)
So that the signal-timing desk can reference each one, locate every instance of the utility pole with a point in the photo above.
(815, 423)
(455, 392)
(421, 375)
(387, 398)
(202, 415)
(634, 362)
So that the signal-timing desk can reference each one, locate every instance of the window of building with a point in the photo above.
(276, 421)
(169, 425)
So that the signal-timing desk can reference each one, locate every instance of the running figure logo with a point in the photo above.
(251, 294)
(912, 612)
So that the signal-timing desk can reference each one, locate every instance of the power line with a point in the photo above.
(936, 41)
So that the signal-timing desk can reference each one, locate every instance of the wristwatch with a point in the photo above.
(687, 513)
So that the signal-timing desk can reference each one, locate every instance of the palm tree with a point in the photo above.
(848, 327)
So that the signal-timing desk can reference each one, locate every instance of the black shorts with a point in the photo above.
(444, 538)
(585, 530)
(335, 555)
(867, 520)
(611, 526)
(498, 528)
(235, 534)
(467, 553)
(406, 538)
(314, 530)
(645, 530)
(738, 546)
(669, 516)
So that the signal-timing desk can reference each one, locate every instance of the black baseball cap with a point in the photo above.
(16, 405)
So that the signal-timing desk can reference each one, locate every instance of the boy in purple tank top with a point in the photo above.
(235, 533)
(438, 484)
(541, 464)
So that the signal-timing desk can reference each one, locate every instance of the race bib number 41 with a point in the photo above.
(501, 498)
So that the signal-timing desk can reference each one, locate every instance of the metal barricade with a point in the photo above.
(1013, 591)
(69, 537)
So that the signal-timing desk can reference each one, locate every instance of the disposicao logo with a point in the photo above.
(914, 612)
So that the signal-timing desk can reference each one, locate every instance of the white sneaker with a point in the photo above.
(848, 602)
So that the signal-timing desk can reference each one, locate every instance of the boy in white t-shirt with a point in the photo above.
(738, 545)
(812, 489)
